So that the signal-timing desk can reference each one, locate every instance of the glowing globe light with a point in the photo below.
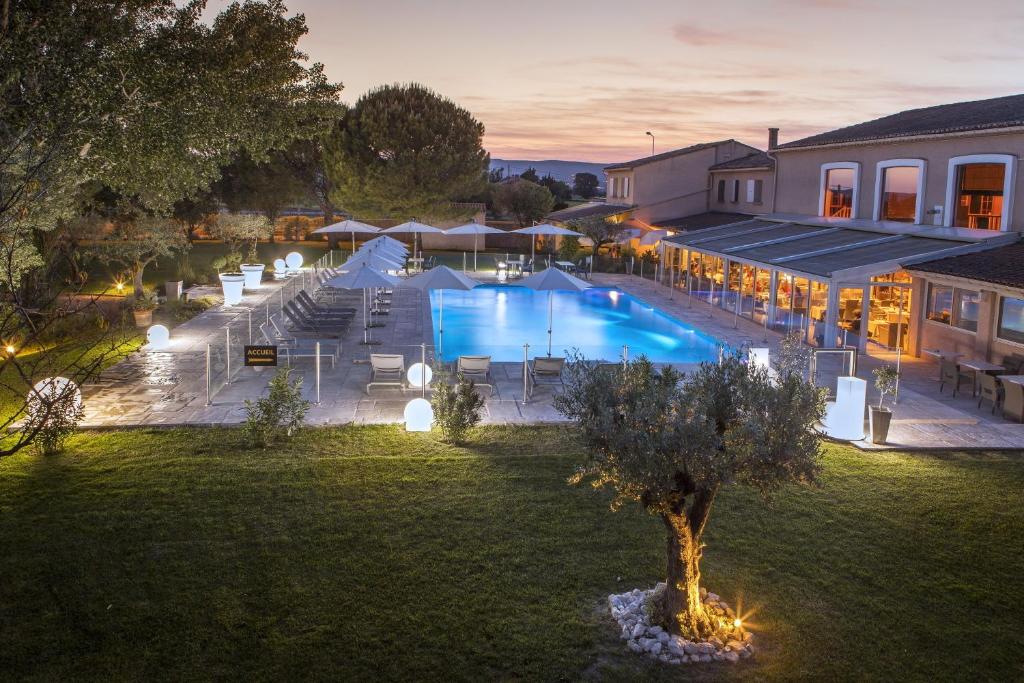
(419, 415)
(57, 393)
(737, 622)
(419, 375)
(159, 338)
(293, 261)
(844, 417)
(10, 349)
(280, 266)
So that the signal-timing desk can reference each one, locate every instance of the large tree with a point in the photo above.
(672, 442)
(585, 185)
(268, 187)
(598, 229)
(526, 202)
(404, 151)
(306, 160)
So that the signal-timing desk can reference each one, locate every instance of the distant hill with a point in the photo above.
(561, 170)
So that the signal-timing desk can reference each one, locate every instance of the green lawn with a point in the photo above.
(370, 554)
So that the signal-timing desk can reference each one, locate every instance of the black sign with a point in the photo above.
(260, 356)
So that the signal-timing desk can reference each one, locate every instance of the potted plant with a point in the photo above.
(237, 230)
(232, 280)
(886, 378)
(143, 307)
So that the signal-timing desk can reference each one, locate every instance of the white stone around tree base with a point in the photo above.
(630, 610)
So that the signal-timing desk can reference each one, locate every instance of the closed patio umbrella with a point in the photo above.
(416, 229)
(390, 241)
(349, 226)
(440, 278)
(368, 258)
(553, 280)
(473, 229)
(364, 278)
(544, 229)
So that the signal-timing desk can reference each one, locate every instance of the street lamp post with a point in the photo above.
(652, 142)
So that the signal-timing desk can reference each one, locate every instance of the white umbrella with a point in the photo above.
(416, 229)
(473, 229)
(367, 258)
(347, 226)
(386, 250)
(553, 280)
(440, 278)
(363, 278)
(650, 239)
(545, 229)
(390, 241)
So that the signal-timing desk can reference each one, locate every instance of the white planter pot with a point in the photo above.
(232, 284)
(253, 274)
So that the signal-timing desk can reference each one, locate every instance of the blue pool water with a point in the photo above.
(496, 320)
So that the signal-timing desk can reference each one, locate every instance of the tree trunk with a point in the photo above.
(681, 607)
(137, 281)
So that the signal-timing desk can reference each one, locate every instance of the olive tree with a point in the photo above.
(672, 441)
(237, 230)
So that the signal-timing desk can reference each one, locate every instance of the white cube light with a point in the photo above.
(844, 417)
(419, 375)
(60, 391)
(293, 261)
(419, 415)
(159, 338)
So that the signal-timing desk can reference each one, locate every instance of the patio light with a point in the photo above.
(10, 349)
(280, 266)
(293, 261)
(419, 415)
(844, 417)
(159, 338)
(419, 375)
(119, 286)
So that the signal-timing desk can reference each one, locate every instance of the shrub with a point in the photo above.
(569, 248)
(886, 379)
(794, 357)
(278, 414)
(182, 311)
(456, 409)
(146, 301)
(54, 412)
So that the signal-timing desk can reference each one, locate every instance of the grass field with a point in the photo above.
(367, 553)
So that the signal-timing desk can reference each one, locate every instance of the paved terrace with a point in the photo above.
(169, 387)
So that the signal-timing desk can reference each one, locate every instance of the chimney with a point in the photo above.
(773, 138)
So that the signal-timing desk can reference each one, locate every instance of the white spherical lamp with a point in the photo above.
(57, 392)
(159, 338)
(280, 266)
(293, 260)
(419, 415)
(419, 375)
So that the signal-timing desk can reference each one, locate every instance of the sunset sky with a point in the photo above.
(584, 80)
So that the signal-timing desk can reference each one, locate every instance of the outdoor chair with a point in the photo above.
(299, 347)
(546, 370)
(949, 371)
(310, 304)
(582, 270)
(387, 369)
(1011, 365)
(988, 390)
(528, 266)
(301, 323)
(1013, 401)
(476, 368)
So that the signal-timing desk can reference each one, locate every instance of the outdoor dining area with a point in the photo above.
(997, 385)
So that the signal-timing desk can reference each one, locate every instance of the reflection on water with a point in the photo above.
(497, 320)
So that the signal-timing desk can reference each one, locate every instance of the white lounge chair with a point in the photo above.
(387, 369)
(546, 370)
(476, 368)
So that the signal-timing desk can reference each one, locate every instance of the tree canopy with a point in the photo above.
(585, 184)
(598, 229)
(672, 442)
(404, 151)
(526, 202)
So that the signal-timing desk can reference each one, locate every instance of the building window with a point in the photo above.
(758, 191)
(954, 306)
(625, 186)
(1011, 320)
(978, 191)
(735, 190)
(839, 189)
(721, 191)
(899, 190)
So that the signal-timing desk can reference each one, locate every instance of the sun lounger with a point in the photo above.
(310, 304)
(299, 347)
(546, 370)
(476, 368)
(386, 369)
(301, 323)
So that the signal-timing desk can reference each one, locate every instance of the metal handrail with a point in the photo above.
(847, 351)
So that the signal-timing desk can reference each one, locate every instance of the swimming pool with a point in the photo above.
(496, 320)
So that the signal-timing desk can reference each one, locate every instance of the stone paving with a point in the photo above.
(169, 387)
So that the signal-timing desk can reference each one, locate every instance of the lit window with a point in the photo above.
(899, 194)
(940, 303)
(839, 190)
(978, 190)
(1011, 320)
(979, 196)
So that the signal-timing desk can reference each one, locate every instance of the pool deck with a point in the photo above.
(168, 388)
